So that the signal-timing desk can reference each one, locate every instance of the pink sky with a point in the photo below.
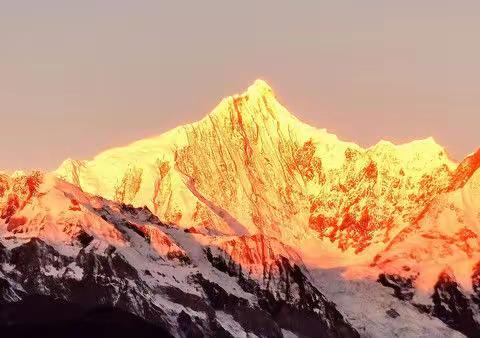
(77, 78)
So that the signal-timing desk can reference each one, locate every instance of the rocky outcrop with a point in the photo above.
(276, 275)
(15, 193)
(464, 171)
(452, 306)
(449, 301)
(403, 287)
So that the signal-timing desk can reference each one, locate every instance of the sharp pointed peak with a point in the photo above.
(259, 94)
(262, 87)
(259, 88)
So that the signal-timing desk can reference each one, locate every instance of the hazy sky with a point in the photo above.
(77, 77)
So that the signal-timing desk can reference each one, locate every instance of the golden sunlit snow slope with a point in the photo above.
(251, 167)
(446, 236)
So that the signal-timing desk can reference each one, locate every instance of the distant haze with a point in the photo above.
(77, 77)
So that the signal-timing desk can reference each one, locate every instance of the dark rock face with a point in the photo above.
(57, 318)
(251, 317)
(476, 284)
(450, 303)
(293, 302)
(310, 314)
(188, 326)
(104, 281)
(453, 307)
(402, 287)
(42, 277)
(392, 313)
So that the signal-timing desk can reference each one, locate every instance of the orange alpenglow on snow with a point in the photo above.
(251, 168)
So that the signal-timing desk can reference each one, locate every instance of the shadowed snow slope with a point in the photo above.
(85, 251)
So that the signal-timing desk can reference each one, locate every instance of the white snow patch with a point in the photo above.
(230, 325)
(288, 334)
(7, 267)
(364, 304)
(74, 272)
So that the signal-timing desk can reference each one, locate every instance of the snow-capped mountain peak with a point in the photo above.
(252, 205)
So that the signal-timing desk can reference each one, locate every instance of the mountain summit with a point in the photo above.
(261, 87)
(251, 167)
